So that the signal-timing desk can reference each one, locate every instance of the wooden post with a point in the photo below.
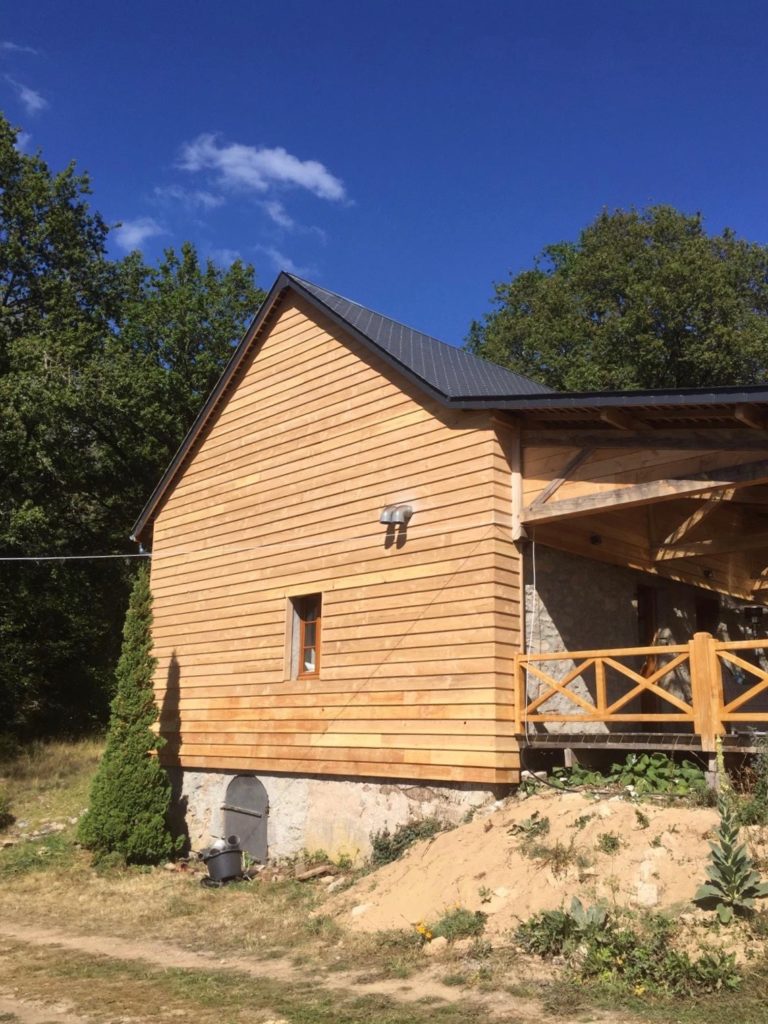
(521, 696)
(706, 689)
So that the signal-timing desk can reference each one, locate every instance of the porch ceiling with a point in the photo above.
(684, 497)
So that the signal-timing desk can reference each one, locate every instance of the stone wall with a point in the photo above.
(321, 812)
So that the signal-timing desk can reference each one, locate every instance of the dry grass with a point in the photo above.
(108, 990)
(50, 781)
(59, 889)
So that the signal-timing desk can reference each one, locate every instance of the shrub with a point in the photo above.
(131, 794)
(636, 959)
(608, 842)
(6, 818)
(459, 923)
(644, 773)
(387, 846)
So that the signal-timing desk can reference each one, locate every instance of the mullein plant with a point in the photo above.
(733, 884)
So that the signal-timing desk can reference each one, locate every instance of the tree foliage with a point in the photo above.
(643, 299)
(131, 794)
(103, 365)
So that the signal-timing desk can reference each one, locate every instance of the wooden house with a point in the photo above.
(384, 569)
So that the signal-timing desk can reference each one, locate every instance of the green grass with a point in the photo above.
(747, 1005)
(54, 852)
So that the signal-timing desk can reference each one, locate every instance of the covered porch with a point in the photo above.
(669, 647)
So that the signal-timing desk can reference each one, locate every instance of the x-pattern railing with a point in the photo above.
(599, 686)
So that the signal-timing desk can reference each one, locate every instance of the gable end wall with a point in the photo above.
(281, 498)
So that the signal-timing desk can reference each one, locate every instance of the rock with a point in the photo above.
(604, 811)
(462, 945)
(318, 872)
(487, 826)
(170, 867)
(9, 842)
(336, 883)
(647, 895)
(359, 910)
(436, 946)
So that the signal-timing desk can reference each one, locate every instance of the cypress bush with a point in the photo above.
(131, 794)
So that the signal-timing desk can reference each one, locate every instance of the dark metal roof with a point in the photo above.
(651, 399)
(450, 371)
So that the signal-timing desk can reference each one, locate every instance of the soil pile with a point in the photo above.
(507, 865)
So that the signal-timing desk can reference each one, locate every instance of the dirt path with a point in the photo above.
(27, 1011)
(163, 955)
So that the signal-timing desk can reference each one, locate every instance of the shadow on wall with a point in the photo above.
(170, 729)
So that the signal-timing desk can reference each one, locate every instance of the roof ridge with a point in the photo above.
(429, 337)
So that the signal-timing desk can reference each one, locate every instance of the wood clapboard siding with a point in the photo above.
(281, 498)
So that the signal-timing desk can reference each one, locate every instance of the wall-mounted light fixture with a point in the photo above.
(399, 514)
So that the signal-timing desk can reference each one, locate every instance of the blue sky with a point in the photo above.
(404, 154)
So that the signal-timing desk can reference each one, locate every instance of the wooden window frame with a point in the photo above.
(302, 606)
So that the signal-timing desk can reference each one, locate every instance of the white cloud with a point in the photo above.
(278, 213)
(23, 142)
(132, 234)
(225, 257)
(31, 100)
(6, 46)
(283, 262)
(192, 199)
(258, 168)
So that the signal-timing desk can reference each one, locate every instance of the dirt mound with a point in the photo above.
(609, 850)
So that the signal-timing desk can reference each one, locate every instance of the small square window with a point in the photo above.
(305, 648)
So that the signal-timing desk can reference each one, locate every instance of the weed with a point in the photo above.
(485, 894)
(530, 828)
(388, 846)
(637, 959)
(640, 773)
(459, 923)
(323, 926)
(732, 884)
(344, 862)
(581, 822)
(656, 842)
(609, 843)
(643, 821)
(455, 979)
(752, 808)
(557, 857)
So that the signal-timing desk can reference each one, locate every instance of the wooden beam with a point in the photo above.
(713, 546)
(751, 417)
(620, 420)
(705, 509)
(654, 490)
(555, 485)
(715, 440)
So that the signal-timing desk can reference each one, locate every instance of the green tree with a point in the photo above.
(643, 299)
(103, 366)
(131, 794)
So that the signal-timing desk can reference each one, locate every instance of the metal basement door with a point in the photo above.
(246, 807)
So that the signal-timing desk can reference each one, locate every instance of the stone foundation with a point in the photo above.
(324, 812)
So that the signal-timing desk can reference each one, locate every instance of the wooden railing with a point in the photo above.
(601, 688)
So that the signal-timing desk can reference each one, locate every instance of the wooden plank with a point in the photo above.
(573, 463)
(723, 543)
(659, 490)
